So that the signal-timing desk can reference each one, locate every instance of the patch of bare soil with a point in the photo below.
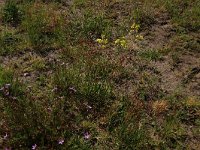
(157, 36)
(185, 75)
(185, 78)
(182, 76)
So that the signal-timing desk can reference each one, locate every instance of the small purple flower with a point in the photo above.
(86, 135)
(34, 146)
(54, 89)
(72, 89)
(89, 107)
(5, 136)
(7, 148)
(61, 141)
(49, 109)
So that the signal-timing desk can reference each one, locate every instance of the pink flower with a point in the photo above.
(86, 135)
(5, 136)
(61, 141)
(34, 147)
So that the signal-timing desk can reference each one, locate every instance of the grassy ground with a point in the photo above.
(103, 74)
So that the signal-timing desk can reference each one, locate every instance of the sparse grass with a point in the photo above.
(6, 76)
(89, 25)
(144, 15)
(80, 93)
(185, 43)
(185, 13)
(83, 86)
(148, 88)
(43, 26)
(152, 55)
(9, 41)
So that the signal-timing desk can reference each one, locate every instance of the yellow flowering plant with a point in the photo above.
(134, 30)
(103, 41)
(135, 27)
(139, 37)
(121, 42)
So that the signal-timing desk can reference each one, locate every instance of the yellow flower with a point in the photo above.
(102, 41)
(117, 41)
(123, 43)
(139, 37)
(102, 36)
(135, 27)
(99, 40)
(103, 46)
(106, 41)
